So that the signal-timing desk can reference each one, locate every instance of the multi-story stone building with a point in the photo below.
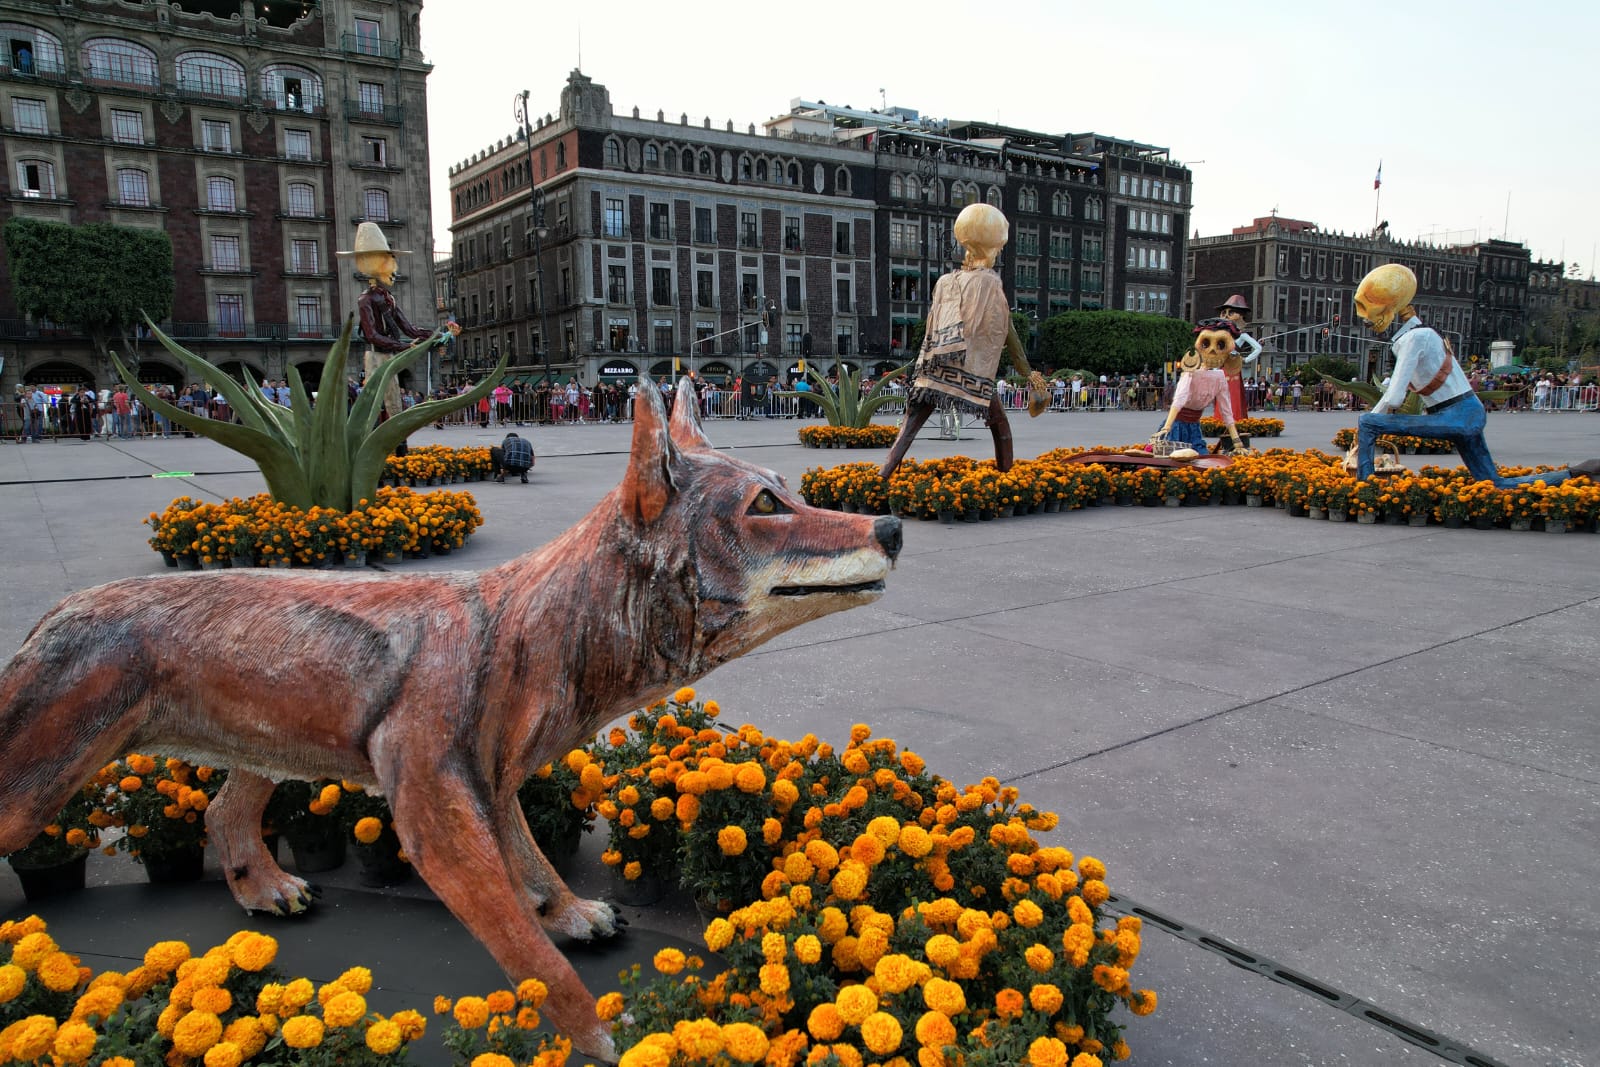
(666, 246)
(255, 135)
(668, 243)
(1150, 201)
(1501, 293)
(1301, 285)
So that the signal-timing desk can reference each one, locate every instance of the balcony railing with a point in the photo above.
(212, 86)
(368, 111)
(251, 331)
(357, 45)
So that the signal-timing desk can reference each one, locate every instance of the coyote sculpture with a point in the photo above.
(441, 691)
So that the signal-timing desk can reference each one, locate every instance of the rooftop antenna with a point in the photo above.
(1505, 229)
(580, 46)
(883, 100)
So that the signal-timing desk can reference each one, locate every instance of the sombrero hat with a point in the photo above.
(369, 238)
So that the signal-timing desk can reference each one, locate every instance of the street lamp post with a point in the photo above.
(540, 232)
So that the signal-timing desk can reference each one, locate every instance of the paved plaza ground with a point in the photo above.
(1366, 755)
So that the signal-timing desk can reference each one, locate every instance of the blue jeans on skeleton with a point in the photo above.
(1461, 424)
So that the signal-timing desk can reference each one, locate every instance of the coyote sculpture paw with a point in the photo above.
(271, 890)
(586, 920)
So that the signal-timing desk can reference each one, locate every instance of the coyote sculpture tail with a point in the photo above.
(440, 691)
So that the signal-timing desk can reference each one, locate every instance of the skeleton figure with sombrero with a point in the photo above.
(1245, 350)
(385, 329)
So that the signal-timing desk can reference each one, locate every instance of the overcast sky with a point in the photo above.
(1469, 105)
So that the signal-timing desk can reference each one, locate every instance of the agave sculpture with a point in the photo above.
(328, 454)
(1413, 403)
(845, 406)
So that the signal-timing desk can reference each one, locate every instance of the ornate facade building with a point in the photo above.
(1301, 282)
(617, 244)
(256, 134)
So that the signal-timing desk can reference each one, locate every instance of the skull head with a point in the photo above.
(1213, 347)
(1383, 293)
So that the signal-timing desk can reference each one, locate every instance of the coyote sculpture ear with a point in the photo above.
(686, 431)
(648, 483)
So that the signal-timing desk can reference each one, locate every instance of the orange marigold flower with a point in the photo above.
(732, 841)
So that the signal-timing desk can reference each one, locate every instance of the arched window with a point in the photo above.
(936, 192)
(561, 155)
(913, 189)
(671, 162)
(688, 161)
(705, 162)
(744, 168)
(613, 152)
(209, 74)
(841, 181)
(794, 174)
(302, 200)
(30, 51)
(291, 88)
(109, 59)
(219, 194)
(652, 156)
(761, 170)
(133, 187)
(36, 178)
(992, 197)
(897, 188)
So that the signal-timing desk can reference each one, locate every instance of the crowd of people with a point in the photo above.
(115, 413)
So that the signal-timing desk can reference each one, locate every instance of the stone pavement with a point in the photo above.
(1365, 755)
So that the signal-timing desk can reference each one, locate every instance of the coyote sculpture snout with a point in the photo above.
(441, 691)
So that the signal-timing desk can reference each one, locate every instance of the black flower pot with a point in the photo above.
(184, 865)
(42, 883)
(381, 864)
(314, 852)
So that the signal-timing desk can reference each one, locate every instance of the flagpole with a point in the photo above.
(1377, 196)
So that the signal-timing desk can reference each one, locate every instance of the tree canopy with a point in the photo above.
(101, 279)
(1112, 342)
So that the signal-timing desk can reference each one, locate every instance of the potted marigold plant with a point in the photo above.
(1523, 504)
(301, 813)
(1339, 490)
(642, 806)
(1419, 496)
(161, 803)
(549, 801)
(1451, 509)
(370, 824)
(54, 861)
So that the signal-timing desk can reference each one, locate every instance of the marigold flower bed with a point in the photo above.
(230, 1006)
(871, 911)
(1299, 481)
(1249, 427)
(874, 436)
(437, 465)
(1421, 446)
(260, 531)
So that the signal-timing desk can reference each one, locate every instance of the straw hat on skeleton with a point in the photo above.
(370, 238)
